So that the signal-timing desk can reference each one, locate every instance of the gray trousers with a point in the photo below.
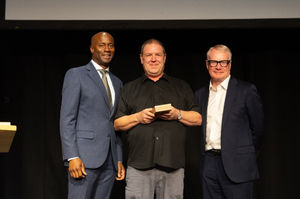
(146, 184)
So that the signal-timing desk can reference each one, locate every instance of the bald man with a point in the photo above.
(92, 150)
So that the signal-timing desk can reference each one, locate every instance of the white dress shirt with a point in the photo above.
(214, 114)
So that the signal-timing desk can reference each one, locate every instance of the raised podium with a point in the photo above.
(7, 134)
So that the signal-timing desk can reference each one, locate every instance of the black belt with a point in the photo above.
(214, 151)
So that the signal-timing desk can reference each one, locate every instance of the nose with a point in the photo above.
(106, 48)
(218, 66)
(153, 58)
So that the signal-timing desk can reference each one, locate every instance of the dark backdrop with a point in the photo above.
(33, 62)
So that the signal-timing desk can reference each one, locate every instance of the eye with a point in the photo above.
(212, 62)
(147, 55)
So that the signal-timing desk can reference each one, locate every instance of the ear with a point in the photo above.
(229, 66)
(141, 58)
(206, 63)
(92, 50)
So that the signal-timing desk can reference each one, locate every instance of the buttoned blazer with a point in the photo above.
(86, 121)
(242, 129)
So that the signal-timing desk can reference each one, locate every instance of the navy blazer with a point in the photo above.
(242, 128)
(86, 121)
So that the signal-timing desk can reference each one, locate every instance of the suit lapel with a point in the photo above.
(230, 96)
(93, 74)
(204, 109)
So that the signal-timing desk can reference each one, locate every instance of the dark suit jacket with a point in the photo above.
(86, 122)
(242, 128)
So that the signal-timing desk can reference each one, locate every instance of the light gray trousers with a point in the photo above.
(145, 184)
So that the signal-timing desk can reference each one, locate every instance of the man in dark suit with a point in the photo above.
(91, 148)
(232, 125)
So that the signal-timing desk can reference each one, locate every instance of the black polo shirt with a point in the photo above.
(160, 142)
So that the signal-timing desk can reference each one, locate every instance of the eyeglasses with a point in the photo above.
(214, 63)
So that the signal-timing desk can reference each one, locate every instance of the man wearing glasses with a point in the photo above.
(232, 126)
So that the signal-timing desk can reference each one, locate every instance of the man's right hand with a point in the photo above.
(76, 168)
(126, 122)
(145, 116)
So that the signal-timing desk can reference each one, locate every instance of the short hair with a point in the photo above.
(220, 47)
(150, 41)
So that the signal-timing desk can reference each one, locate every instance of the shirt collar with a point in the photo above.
(165, 76)
(98, 67)
(224, 84)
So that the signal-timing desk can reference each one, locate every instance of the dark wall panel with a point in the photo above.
(33, 64)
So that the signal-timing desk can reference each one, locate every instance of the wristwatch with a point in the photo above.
(179, 115)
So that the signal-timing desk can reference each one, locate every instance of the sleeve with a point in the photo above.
(119, 147)
(68, 114)
(122, 104)
(119, 138)
(256, 115)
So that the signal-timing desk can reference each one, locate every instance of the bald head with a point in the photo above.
(98, 35)
(102, 48)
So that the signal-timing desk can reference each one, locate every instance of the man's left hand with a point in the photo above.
(171, 115)
(121, 171)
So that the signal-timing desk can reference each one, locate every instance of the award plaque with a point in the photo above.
(161, 109)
